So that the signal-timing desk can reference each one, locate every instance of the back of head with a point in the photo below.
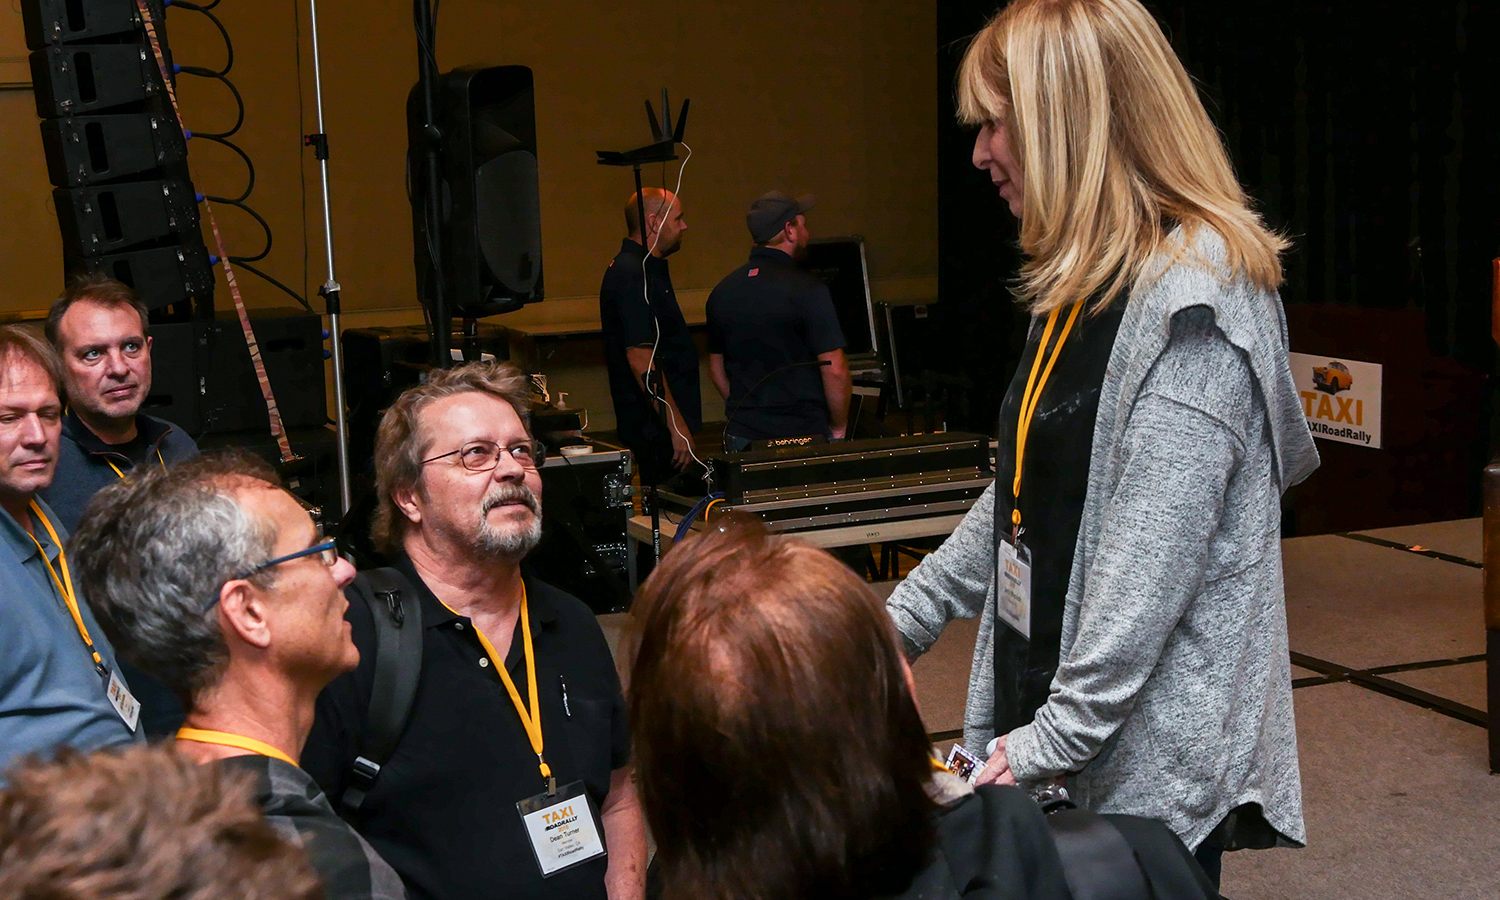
(778, 748)
(152, 550)
(142, 824)
(400, 441)
(1114, 145)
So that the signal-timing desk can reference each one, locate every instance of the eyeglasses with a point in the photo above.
(328, 555)
(484, 456)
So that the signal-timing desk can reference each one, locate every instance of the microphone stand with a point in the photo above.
(330, 289)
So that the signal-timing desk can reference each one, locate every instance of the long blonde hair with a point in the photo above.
(1115, 148)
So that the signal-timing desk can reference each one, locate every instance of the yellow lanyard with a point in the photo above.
(122, 474)
(224, 738)
(531, 720)
(65, 583)
(1029, 400)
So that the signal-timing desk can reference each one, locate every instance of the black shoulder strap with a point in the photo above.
(397, 614)
(1098, 863)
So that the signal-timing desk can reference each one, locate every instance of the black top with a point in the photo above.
(627, 323)
(1054, 482)
(349, 868)
(443, 811)
(763, 317)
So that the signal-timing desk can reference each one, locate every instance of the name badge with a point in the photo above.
(123, 701)
(1013, 587)
(562, 828)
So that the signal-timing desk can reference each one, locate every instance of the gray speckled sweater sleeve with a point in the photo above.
(1183, 441)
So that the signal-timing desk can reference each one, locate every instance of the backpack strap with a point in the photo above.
(1098, 863)
(397, 614)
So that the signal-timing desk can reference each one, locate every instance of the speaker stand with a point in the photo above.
(330, 289)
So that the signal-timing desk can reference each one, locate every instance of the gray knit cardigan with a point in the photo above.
(1172, 697)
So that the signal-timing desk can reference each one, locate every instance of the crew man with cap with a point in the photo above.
(59, 684)
(650, 355)
(776, 351)
(99, 329)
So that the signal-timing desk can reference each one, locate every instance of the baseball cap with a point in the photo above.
(772, 211)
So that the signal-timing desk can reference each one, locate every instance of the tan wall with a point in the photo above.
(836, 98)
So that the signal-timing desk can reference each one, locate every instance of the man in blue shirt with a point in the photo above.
(59, 683)
(644, 330)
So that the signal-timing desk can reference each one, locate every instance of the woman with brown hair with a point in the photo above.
(780, 754)
(1126, 567)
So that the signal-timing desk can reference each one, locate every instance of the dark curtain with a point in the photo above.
(1364, 131)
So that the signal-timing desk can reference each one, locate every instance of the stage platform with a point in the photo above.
(1387, 636)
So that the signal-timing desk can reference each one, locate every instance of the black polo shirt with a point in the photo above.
(443, 812)
(629, 322)
(765, 318)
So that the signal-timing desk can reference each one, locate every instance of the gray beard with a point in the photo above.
(512, 542)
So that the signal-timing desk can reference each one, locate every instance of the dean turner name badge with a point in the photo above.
(562, 828)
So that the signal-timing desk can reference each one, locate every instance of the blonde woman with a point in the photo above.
(1126, 567)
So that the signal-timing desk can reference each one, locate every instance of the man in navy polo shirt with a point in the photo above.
(775, 348)
(641, 318)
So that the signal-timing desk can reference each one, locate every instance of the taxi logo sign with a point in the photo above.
(1340, 398)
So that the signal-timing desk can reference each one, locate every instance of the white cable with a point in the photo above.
(646, 296)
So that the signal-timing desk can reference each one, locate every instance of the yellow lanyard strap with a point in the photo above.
(532, 719)
(224, 738)
(122, 474)
(65, 583)
(1029, 400)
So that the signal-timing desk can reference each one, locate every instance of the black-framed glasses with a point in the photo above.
(484, 456)
(327, 552)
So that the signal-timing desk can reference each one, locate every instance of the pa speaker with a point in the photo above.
(69, 21)
(163, 276)
(96, 221)
(83, 150)
(490, 228)
(73, 79)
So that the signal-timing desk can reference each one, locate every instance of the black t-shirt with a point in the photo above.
(628, 322)
(1054, 482)
(764, 317)
(443, 811)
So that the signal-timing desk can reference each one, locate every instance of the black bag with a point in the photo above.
(397, 614)
(1118, 857)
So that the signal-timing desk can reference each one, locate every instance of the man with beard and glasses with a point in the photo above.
(775, 347)
(511, 778)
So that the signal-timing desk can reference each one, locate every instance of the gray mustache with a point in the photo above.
(512, 493)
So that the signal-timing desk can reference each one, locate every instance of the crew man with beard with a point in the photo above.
(518, 710)
(775, 348)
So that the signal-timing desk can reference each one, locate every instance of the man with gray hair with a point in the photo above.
(59, 681)
(215, 580)
(511, 778)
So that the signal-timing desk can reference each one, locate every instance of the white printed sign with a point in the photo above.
(1340, 398)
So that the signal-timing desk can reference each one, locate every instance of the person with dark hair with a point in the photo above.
(651, 357)
(100, 331)
(775, 346)
(216, 580)
(60, 683)
(781, 756)
(517, 713)
(143, 824)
